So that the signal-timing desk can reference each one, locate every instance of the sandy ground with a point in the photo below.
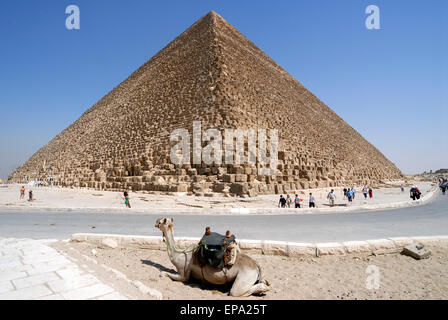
(328, 277)
(107, 201)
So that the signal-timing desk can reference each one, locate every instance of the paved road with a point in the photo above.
(427, 220)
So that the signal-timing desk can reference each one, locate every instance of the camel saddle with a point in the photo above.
(217, 250)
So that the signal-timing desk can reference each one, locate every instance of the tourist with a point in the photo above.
(418, 193)
(22, 192)
(402, 187)
(353, 192)
(331, 197)
(30, 195)
(288, 201)
(345, 193)
(444, 186)
(125, 193)
(312, 203)
(350, 195)
(126, 201)
(297, 201)
(412, 193)
(370, 193)
(282, 202)
(415, 193)
(365, 189)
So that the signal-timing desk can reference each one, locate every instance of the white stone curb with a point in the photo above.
(278, 248)
(140, 286)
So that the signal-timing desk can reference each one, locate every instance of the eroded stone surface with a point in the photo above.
(213, 74)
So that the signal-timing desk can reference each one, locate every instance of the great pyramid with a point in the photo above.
(213, 74)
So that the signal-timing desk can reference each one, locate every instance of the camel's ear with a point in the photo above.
(164, 220)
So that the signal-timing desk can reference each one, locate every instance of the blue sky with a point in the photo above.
(391, 84)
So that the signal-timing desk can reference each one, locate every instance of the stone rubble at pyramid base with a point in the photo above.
(201, 179)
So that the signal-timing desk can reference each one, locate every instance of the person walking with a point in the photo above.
(331, 197)
(345, 193)
(22, 192)
(370, 193)
(282, 201)
(288, 201)
(402, 187)
(350, 195)
(444, 186)
(365, 189)
(297, 201)
(412, 193)
(30, 195)
(126, 202)
(353, 192)
(312, 203)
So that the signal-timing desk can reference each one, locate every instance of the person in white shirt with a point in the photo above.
(331, 197)
(364, 191)
(312, 203)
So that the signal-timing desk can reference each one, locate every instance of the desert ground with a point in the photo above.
(327, 277)
(55, 198)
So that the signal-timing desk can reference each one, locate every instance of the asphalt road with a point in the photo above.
(427, 220)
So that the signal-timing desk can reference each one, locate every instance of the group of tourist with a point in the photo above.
(22, 194)
(349, 194)
(286, 202)
(415, 193)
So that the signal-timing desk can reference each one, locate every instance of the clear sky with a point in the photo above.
(391, 84)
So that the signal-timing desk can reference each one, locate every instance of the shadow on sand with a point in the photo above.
(192, 282)
(336, 205)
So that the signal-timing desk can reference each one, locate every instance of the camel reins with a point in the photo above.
(185, 250)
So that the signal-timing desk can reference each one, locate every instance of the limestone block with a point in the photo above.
(251, 246)
(279, 248)
(330, 248)
(238, 188)
(230, 178)
(382, 246)
(357, 247)
(297, 249)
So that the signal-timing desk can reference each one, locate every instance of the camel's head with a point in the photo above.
(164, 223)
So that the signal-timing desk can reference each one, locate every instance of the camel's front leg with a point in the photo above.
(183, 265)
(175, 277)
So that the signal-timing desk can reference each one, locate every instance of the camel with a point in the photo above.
(245, 272)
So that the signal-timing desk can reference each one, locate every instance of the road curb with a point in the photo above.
(269, 247)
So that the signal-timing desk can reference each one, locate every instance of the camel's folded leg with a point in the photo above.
(175, 277)
(244, 285)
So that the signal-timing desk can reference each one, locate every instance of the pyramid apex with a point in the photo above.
(214, 16)
(212, 13)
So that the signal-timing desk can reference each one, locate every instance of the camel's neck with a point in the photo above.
(171, 244)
